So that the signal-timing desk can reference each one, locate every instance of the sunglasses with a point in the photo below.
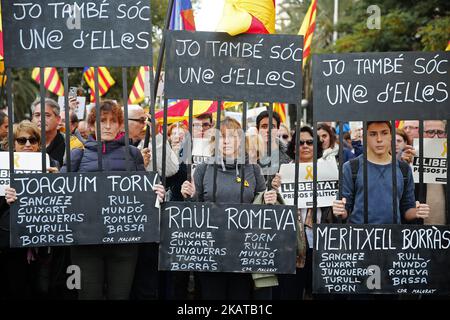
(308, 142)
(23, 141)
(285, 136)
(140, 120)
(432, 133)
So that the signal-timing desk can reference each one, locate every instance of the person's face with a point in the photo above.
(411, 128)
(109, 126)
(306, 147)
(379, 138)
(26, 142)
(51, 119)
(264, 129)
(230, 143)
(399, 143)
(4, 128)
(136, 124)
(200, 128)
(434, 129)
(324, 138)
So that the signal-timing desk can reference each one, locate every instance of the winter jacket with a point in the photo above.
(113, 159)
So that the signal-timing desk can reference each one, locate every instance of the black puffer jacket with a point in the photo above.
(113, 159)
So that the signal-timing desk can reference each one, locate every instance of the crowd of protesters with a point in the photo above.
(131, 271)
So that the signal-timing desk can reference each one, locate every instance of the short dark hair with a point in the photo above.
(386, 122)
(3, 116)
(291, 146)
(265, 114)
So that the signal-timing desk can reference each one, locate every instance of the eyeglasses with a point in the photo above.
(23, 141)
(140, 120)
(308, 142)
(432, 133)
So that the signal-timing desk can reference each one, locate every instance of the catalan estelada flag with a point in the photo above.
(52, 82)
(137, 93)
(307, 30)
(182, 16)
(105, 80)
(247, 16)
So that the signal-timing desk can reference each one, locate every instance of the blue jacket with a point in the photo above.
(113, 157)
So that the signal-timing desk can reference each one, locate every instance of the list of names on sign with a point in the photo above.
(227, 238)
(390, 259)
(84, 208)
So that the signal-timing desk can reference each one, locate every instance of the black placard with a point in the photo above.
(390, 259)
(381, 86)
(84, 208)
(216, 66)
(41, 33)
(216, 237)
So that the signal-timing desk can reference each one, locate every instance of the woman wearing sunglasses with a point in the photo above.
(21, 267)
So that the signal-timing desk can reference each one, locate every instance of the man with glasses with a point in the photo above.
(434, 129)
(435, 194)
(201, 125)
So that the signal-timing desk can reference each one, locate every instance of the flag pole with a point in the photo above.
(335, 20)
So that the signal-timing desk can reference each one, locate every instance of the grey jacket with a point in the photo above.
(228, 185)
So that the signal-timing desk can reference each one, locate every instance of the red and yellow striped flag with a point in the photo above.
(448, 47)
(307, 30)
(247, 16)
(52, 82)
(105, 81)
(137, 93)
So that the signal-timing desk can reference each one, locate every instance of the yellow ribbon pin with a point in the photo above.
(309, 173)
(444, 153)
(16, 161)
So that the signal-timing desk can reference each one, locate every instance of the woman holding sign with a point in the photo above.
(112, 266)
(226, 286)
(21, 265)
